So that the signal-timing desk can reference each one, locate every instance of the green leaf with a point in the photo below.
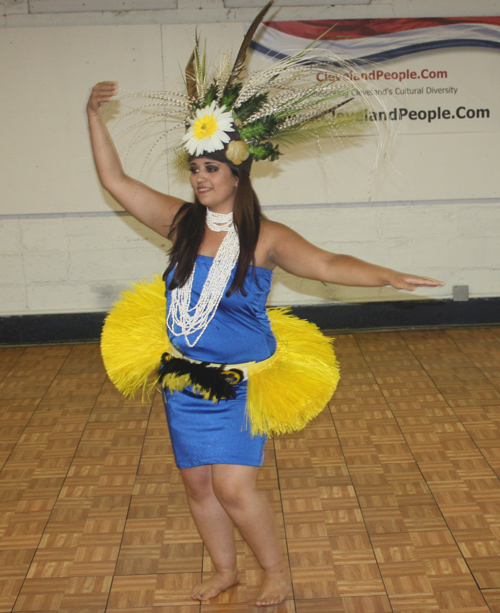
(264, 151)
(251, 106)
(260, 129)
(230, 95)
(210, 95)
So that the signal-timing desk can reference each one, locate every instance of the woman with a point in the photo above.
(220, 476)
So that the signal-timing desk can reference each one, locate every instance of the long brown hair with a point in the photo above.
(188, 230)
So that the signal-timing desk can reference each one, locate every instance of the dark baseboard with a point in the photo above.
(86, 327)
(403, 314)
(51, 328)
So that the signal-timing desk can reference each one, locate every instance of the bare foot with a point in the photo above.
(215, 584)
(274, 589)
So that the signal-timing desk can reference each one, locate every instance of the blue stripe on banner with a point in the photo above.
(268, 52)
(442, 44)
(392, 53)
(277, 55)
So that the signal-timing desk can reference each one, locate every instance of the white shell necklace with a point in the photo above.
(183, 320)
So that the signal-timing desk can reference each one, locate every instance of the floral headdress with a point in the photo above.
(238, 118)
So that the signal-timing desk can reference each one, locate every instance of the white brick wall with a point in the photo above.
(10, 238)
(82, 263)
(480, 222)
(43, 236)
(11, 267)
(55, 260)
(14, 299)
(33, 13)
(77, 263)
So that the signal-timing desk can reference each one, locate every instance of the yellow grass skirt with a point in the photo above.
(290, 389)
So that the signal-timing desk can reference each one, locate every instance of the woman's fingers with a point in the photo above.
(410, 283)
(426, 281)
(106, 86)
(101, 93)
(105, 90)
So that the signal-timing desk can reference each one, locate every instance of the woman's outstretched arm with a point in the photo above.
(293, 253)
(152, 208)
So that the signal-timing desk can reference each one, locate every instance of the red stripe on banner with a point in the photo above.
(361, 28)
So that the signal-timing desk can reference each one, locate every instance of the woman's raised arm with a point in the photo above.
(152, 208)
(293, 253)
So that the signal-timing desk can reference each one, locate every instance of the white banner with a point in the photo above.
(434, 75)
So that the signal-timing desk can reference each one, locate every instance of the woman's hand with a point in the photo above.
(152, 208)
(101, 93)
(400, 280)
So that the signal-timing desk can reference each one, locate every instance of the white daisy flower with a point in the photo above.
(208, 131)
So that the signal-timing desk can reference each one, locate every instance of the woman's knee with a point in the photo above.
(198, 482)
(233, 488)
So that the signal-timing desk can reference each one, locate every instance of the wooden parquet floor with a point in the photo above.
(388, 502)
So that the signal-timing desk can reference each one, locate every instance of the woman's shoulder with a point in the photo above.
(268, 230)
(274, 230)
(268, 225)
(272, 233)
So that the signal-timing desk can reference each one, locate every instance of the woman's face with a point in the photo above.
(214, 184)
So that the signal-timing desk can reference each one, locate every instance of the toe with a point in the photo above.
(267, 601)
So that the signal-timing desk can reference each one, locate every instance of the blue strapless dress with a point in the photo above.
(204, 432)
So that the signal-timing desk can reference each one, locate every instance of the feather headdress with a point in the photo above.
(237, 117)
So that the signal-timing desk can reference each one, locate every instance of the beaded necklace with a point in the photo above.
(183, 320)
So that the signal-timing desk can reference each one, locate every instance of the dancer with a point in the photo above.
(220, 338)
